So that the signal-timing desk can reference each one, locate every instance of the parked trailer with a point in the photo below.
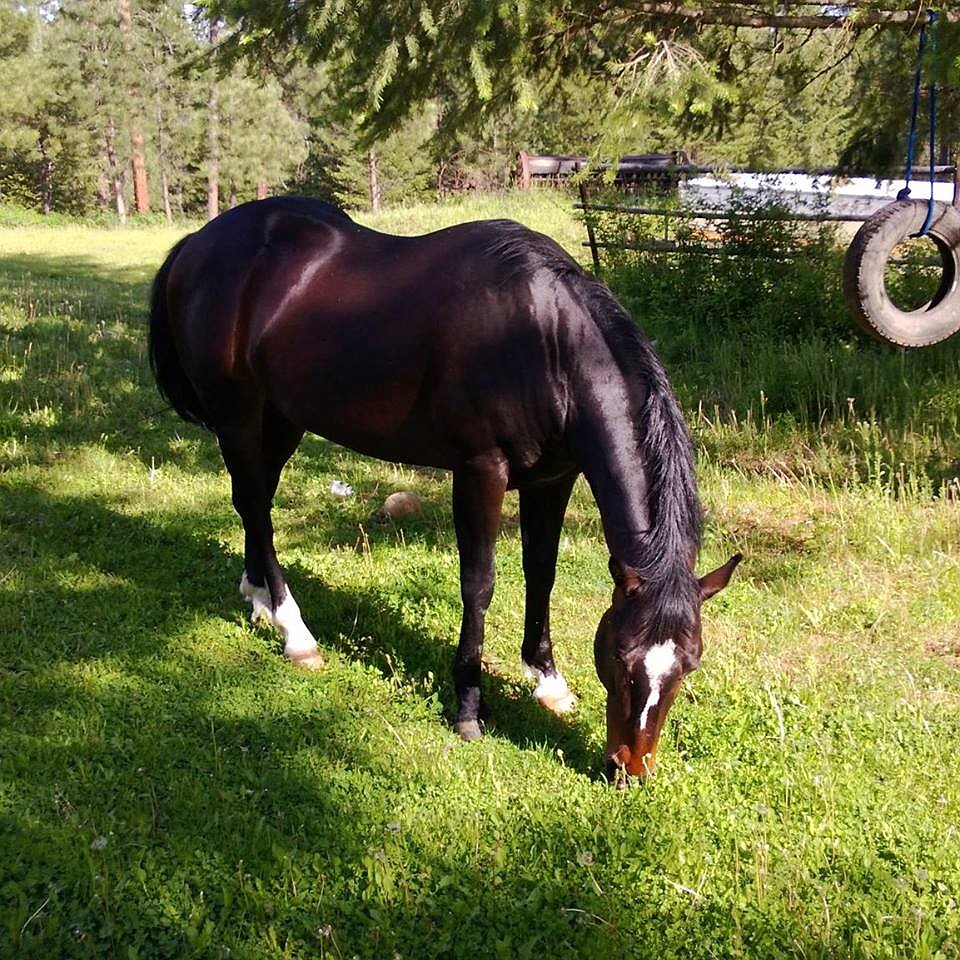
(647, 171)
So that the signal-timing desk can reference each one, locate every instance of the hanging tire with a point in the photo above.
(864, 282)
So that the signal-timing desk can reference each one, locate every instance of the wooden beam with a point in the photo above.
(745, 15)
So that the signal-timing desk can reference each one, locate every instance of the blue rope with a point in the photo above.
(933, 126)
(904, 194)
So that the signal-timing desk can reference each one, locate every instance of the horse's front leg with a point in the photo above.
(478, 489)
(541, 520)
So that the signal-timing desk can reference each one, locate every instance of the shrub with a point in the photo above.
(751, 273)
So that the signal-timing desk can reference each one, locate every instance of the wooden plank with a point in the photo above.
(724, 214)
(591, 238)
(670, 246)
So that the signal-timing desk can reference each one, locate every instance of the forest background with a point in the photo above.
(113, 106)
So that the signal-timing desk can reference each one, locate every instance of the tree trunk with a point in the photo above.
(103, 184)
(46, 178)
(374, 182)
(165, 191)
(262, 189)
(121, 201)
(116, 175)
(232, 202)
(213, 158)
(141, 193)
(213, 138)
(441, 172)
(46, 185)
(162, 159)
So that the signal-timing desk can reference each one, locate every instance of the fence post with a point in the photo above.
(590, 234)
(523, 170)
(955, 160)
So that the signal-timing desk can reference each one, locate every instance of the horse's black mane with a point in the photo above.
(670, 546)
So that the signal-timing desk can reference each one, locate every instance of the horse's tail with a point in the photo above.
(172, 381)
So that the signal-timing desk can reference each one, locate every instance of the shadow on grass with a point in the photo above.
(226, 804)
(52, 281)
(229, 840)
(175, 573)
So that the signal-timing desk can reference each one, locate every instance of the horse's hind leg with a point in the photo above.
(541, 520)
(254, 451)
(478, 489)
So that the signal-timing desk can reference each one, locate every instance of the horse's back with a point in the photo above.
(408, 348)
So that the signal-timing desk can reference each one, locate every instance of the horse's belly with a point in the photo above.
(424, 429)
(388, 423)
(421, 448)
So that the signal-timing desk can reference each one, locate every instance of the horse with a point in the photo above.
(483, 349)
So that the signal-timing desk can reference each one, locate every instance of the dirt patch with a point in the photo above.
(946, 644)
(765, 530)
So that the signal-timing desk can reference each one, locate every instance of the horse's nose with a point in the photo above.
(646, 767)
(620, 773)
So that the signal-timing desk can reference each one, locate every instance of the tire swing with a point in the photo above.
(864, 283)
(864, 268)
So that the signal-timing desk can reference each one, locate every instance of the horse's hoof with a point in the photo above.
(309, 660)
(468, 729)
(564, 703)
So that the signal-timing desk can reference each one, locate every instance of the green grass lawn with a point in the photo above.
(171, 787)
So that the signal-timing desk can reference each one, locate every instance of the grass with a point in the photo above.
(170, 787)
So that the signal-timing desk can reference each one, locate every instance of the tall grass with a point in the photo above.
(750, 319)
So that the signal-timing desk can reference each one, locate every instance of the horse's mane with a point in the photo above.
(669, 547)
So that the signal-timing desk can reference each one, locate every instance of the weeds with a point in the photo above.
(748, 315)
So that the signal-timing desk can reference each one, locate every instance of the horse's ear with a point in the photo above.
(626, 578)
(716, 580)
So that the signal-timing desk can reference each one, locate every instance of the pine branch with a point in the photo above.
(747, 15)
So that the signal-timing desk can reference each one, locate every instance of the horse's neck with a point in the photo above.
(610, 454)
(619, 486)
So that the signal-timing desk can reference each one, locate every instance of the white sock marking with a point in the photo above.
(551, 688)
(298, 641)
(257, 597)
(659, 662)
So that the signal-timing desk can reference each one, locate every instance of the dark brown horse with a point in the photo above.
(482, 349)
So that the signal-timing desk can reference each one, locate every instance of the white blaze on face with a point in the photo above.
(659, 662)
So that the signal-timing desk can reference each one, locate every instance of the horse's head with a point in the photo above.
(642, 665)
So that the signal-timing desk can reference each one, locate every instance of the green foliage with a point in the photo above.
(878, 116)
(259, 138)
(761, 97)
(914, 273)
(768, 100)
(751, 273)
(749, 314)
(82, 87)
(19, 215)
(337, 165)
(444, 95)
